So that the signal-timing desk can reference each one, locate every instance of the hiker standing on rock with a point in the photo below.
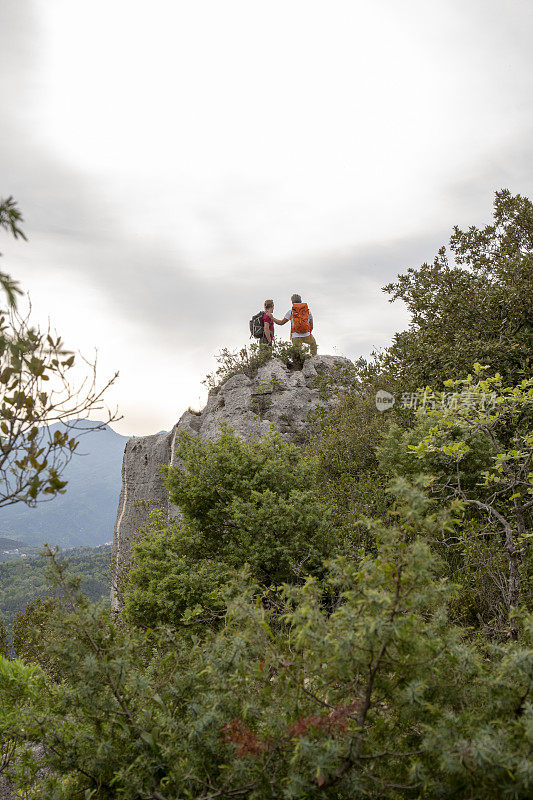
(301, 321)
(268, 323)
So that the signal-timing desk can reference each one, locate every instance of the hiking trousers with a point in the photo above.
(310, 340)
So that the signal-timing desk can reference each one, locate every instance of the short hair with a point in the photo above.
(269, 304)
(296, 298)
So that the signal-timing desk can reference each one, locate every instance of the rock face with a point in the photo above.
(276, 398)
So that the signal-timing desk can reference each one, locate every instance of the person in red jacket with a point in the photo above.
(268, 323)
(301, 321)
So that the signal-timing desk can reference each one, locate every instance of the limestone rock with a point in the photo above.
(275, 399)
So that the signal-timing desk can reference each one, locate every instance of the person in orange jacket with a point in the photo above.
(301, 321)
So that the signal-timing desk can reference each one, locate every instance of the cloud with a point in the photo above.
(167, 196)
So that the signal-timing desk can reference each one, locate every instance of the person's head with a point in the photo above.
(269, 305)
(296, 298)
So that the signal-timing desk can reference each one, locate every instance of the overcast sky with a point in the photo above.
(178, 161)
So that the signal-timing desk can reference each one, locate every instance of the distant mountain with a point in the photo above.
(85, 515)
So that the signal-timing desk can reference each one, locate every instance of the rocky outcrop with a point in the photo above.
(276, 398)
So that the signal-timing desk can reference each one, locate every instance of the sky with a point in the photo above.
(178, 162)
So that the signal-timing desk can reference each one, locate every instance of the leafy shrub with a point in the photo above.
(171, 582)
(4, 639)
(478, 448)
(249, 359)
(251, 503)
(475, 306)
(31, 628)
(379, 697)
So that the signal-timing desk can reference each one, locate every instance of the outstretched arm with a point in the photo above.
(279, 321)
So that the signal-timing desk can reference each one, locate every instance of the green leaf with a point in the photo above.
(148, 738)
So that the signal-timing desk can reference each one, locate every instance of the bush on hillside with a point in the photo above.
(251, 503)
(379, 696)
(475, 441)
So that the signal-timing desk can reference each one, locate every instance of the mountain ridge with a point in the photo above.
(84, 515)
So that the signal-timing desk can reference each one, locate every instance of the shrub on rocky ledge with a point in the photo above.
(249, 359)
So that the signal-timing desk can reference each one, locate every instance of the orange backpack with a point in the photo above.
(300, 318)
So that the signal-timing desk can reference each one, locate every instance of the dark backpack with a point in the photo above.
(257, 329)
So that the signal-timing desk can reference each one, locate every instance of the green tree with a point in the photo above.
(380, 697)
(476, 308)
(10, 220)
(18, 687)
(252, 502)
(242, 503)
(344, 441)
(36, 391)
(475, 440)
(31, 628)
(4, 639)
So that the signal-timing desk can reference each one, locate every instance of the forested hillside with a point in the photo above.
(10, 550)
(350, 618)
(24, 581)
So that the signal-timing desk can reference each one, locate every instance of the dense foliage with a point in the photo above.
(476, 442)
(241, 502)
(383, 697)
(4, 639)
(343, 444)
(352, 620)
(476, 307)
